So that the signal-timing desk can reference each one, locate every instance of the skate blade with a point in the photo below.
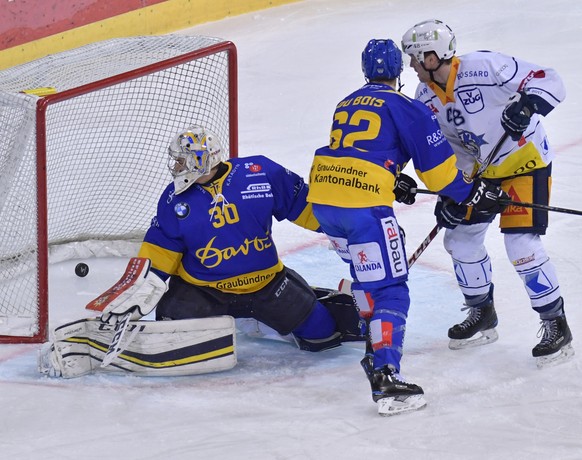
(399, 404)
(486, 337)
(566, 353)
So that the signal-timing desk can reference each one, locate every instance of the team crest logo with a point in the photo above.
(472, 142)
(253, 167)
(472, 100)
(182, 210)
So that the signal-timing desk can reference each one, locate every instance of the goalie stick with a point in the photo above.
(135, 273)
(114, 349)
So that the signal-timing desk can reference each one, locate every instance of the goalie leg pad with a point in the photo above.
(160, 348)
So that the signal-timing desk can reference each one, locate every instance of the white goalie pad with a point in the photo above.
(154, 348)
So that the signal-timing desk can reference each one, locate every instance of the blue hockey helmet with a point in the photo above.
(381, 60)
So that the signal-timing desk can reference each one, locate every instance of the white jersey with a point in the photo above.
(469, 111)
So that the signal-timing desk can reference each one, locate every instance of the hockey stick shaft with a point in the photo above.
(434, 232)
(431, 236)
(491, 156)
(540, 206)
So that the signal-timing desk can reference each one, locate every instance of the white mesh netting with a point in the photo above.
(105, 149)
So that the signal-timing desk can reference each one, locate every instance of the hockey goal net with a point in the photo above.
(83, 142)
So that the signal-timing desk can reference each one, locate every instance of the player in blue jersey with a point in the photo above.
(483, 99)
(212, 241)
(376, 131)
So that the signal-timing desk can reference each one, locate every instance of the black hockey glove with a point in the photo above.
(448, 213)
(485, 196)
(517, 114)
(402, 189)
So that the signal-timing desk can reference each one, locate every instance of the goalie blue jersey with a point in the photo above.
(376, 131)
(219, 234)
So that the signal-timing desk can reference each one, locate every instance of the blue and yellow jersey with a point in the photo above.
(219, 234)
(375, 132)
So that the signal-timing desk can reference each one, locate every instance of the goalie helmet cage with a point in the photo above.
(83, 152)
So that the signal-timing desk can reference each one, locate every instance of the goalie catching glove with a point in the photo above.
(137, 293)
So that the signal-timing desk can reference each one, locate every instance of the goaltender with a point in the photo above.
(212, 258)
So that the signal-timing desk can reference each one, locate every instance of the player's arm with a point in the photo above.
(144, 281)
(290, 195)
(532, 89)
(432, 156)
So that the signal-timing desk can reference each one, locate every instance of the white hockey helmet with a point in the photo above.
(193, 154)
(430, 35)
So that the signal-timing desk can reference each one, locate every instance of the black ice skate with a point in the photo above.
(389, 390)
(483, 320)
(556, 344)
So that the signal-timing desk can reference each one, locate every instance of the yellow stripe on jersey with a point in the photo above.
(306, 219)
(440, 176)
(242, 284)
(162, 259)
(349, 182)
(522, 161)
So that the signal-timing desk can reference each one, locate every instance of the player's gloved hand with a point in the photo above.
(448, 213)
(485, 197)
(139, 299)
(403, 189)
(517, 114)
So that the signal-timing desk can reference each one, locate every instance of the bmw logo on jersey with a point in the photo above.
(182, 210)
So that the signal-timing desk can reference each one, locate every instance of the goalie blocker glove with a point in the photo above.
(137, 292)
(485, 197)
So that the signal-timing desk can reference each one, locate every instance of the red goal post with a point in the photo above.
(83, 153)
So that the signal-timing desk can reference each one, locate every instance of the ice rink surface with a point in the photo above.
(295, 63)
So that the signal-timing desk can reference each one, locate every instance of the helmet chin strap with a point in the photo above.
(400, 85)
(432, 71)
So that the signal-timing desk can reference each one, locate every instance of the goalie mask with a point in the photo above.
(193, 154)
(432, 35)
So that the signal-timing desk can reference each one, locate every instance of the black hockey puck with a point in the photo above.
(82, 270)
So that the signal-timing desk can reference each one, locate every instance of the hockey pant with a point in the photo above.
(287, 305)
(369, 239)
(473, 271)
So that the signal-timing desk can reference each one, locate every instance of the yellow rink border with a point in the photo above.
(166, 17)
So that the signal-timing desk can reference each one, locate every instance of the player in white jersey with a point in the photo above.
(485, 100)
